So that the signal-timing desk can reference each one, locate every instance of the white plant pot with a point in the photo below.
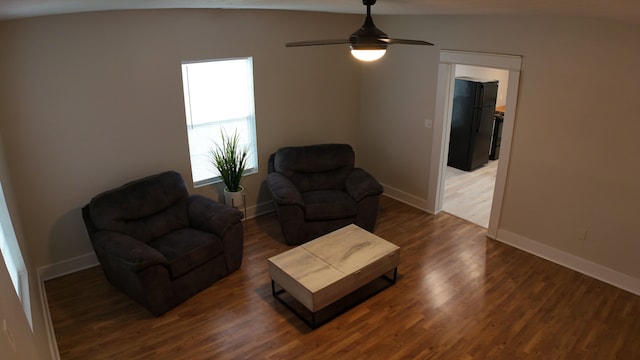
(234, 198)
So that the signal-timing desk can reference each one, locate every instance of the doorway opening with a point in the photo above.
(468, 194)
(449, 60)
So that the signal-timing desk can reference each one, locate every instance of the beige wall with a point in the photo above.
(398, 95)
(94, 100)
(90, 101)
(574, 161)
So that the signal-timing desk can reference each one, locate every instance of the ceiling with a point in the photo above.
(624, 10)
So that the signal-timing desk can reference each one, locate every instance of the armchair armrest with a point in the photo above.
(283, 190)
(211, 216)
(126, 251)
(361, 184)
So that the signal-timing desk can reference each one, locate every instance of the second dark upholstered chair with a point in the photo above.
(316, 189)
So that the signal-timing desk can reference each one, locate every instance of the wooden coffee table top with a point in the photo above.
(327, 268)
(350, 248)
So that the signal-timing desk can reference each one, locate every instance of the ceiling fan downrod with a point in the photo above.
(368, 37)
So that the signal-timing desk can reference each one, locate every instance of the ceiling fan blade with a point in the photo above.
(318, 42)
(368, 37)
(407, 42)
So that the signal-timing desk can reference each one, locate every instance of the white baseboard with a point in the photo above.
(406, 198)
(69, 266)
(259, 209)
(589, 268)
(46, 315)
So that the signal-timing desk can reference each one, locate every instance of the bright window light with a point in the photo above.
(13, 257)
(218, 96)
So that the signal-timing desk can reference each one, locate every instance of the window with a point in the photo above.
(12, 256)
(218, 96)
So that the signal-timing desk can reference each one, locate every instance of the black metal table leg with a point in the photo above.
(313, 321)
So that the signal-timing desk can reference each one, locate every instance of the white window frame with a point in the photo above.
(244, 123)
(12, 257)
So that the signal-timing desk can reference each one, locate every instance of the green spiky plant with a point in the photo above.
(230, 159)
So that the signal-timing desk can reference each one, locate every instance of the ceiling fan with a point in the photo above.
(368, 43)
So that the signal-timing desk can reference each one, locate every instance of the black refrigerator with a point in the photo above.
(474, 106)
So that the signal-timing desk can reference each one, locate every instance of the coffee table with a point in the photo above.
(321, 273)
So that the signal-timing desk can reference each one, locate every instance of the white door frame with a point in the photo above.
(442, 123)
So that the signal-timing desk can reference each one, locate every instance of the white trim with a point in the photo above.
(586, 267)
(406, 198)
(439, 152)
(48, 324)
(440, 140)
(505, 153)
(259, 209)
(500, 61)
(68, 266)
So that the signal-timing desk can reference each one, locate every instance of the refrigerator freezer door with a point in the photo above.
(487, 94)
(462, 129)
(471, 123)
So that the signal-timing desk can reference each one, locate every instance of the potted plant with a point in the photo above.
(230, 158)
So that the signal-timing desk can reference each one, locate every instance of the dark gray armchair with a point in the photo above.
(159, 245)
(316, 189)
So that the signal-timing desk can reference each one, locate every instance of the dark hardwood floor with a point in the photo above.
(459, 295)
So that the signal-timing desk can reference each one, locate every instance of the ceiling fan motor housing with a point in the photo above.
(369, 37)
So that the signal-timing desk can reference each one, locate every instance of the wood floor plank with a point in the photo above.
(459, 295)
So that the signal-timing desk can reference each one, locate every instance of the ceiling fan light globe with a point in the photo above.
(368, 55)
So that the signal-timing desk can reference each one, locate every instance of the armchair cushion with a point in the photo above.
(186, 249)
(328, 205)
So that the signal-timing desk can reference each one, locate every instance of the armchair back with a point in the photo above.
(315, 167)
(144, 209)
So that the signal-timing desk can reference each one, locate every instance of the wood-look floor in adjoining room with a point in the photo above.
(459, 295)
(469, 194)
